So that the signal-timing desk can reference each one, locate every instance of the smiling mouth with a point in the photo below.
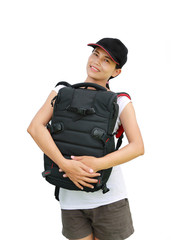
(94, 69)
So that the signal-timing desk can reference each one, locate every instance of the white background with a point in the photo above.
(43, 42)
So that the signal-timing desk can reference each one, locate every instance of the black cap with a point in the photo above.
(115, 49)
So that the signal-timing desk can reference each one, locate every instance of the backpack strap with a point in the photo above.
(83, 84)
(63, 83)
(57, 192)
(60, 83)
(121, 94)
(89, 84)
(120, 131)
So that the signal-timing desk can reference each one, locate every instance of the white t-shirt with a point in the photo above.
(70, 199)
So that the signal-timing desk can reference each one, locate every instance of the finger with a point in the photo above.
(65, 176)
(85, 184)
(76, 158)
(87, 169)
(78, 185)
(94, 175)
(60, 170)
(91, 175)
(90, 180)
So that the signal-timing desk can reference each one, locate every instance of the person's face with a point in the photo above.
(100, 66)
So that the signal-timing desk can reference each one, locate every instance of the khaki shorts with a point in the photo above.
(108, 222)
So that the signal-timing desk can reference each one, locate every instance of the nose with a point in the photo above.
(98, 61)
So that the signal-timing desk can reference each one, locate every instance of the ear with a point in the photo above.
(116, 72)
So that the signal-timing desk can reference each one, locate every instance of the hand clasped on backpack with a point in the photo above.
(79, 173)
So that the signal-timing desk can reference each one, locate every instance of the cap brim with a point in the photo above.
(97, 45)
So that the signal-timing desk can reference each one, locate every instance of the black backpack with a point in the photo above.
(82, 124)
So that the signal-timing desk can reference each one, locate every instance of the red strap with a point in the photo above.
(120, 129)
(119, 132)
(124, 94)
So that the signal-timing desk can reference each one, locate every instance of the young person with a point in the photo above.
(95, 216)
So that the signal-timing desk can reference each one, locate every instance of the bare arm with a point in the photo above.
(37, 129)
(133, 149)
(78, 172)
(135, 146)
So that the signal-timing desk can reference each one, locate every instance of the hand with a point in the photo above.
(80, 174)
(89, 161)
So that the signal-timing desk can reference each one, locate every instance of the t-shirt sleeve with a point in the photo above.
(56, 89)
(122, 102)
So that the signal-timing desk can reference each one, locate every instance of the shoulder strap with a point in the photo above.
(60, 83)
(63, 83)
(121, 94)
(120, 131)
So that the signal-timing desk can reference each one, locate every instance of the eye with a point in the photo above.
(95, 53)
(106, 60)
